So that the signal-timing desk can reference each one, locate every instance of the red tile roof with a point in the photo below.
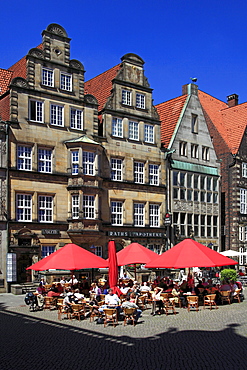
(5, 78)
(101, 85)
(229, 122)
(4, 108)
(169, 113)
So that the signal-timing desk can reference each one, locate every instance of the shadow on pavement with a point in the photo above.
(28, 342)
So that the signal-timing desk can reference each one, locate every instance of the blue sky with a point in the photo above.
(177, 39)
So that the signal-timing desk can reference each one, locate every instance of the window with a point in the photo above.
(139, 214)
(149, 133)
(203, 225)
(76, 119)
(47, 250)
(66, 81)
(196, 225)
(117, 127)
(194, 124)
(194, 151)
(126, 97)
(215, 226)
(209, 226)
(45, 160)
(205, 153)
(75, 205)
(153, 174)
(139, 172)
(183, 224)
(156, 248)
(244, 169)
(88, 163)
(56, 115)
(75, 162)
(243, 233)
(98, 251)
(154, 215)
(36, 110)
(133, 130)
(183, 148)
(116, 213)
(140, 101)
(24, 158)
(88, 206)
(45, 208)
(116, 169)
(48, 77)
(243, 201)
(24, 207)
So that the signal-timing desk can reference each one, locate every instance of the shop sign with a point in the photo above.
(50, 232)
(135, 234)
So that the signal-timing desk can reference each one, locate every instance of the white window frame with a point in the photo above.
(149, 133)
(116, 169)
(89, 207)
(65, 81)
(47, 77)
(154, 215)
(24, 207)
(117, 213)
(139, 176)
(46, 250)
(44, 160)
(139, 214)
(76, 119)
(126, 97)
(98, 251)
(45, 208)
(153, 174)
(183, 148)
(243, 201)
(205, 153)
(57, 115)
(243, 233)
(36, 110)
(117, 127)
(244, 169)
(133, 130)
(140, 101)
(88, 163)
(75, 206)
(194, 151)
(74, 162)
(24, 158)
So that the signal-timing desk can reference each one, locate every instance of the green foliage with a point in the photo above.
(228, 274)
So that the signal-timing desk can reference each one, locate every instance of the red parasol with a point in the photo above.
(190, 253)
(113, 267)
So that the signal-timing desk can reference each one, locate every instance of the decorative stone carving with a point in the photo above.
(57, 29)
(109, 103)
(19, 81)
(76, 64)
(35, 52)
(90, 99)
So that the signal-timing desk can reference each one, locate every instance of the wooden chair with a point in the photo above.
(164, 296)
(62, 311)
(225, 296)
(169, 305)
(209, 300)
(93, 313)
(142, 302)
(192, 302)
(49, 303)
(236, 296)
(110, 316)
(129, 315)
(78, 310)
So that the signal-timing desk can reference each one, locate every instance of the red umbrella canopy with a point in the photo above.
(190, 253)
(69, 257)
(135, 253)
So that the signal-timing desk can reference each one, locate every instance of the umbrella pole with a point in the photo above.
(135, 271)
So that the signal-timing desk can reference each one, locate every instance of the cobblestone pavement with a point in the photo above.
(206, 339)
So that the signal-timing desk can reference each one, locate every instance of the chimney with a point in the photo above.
(232, 100)
(189, 89)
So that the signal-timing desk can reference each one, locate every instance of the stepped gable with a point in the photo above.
(229, 122)
(19, 68)
(101, 85)
(169, 113)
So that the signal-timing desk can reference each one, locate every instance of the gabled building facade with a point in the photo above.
(227, 127)
(193, 172)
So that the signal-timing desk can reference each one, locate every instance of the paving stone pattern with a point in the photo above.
(206, 339)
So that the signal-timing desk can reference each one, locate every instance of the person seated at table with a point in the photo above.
(145, 287)
(234, 287)
(176, 296)
(157, 301)
(63, 280)
(225, 286)
(53, 292)
(73, 280)
(128, 304)
(125, 289)
(204, 282)
(95, 291)
(184, 287)
(112, 299)
(60, 288)
(40, 292)
(79, 296)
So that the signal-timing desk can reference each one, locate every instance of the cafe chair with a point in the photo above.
(49, 303)
(110, 316)
(225, 296)
(129, 315)
(62, 311)
(209, 300)
(236, 296)
(164, 296)
(169, 305)
(192, 302)
(78, 310)
(94, 312)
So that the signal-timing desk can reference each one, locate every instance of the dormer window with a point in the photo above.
(126, 97)
(140, 101)
(48, 77)
(66, 81)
